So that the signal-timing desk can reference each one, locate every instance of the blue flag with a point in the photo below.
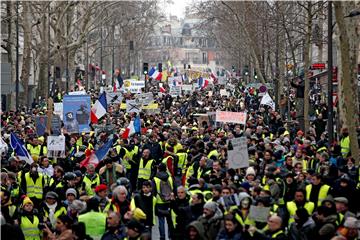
(19, 148)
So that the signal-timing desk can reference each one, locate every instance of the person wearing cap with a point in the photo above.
(29, 221)
(52, 208)
(211, 219)
(100, 202)
(71, 195)
(134, 230)
(90, 180)
(342, 209)
(33, 184)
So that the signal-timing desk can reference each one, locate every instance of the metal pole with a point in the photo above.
(113, 56)
(48, 57)
(101, 54)
(330, 75)
(17, 56)
(67, 52)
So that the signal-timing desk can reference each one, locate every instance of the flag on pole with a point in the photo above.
(99, 109)
(267, 100)
(134, 127)
(203, 83)
(98, 155)
(19, 148)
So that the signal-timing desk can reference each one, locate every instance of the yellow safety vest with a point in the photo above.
(213, 153)
(277, 234)
(182, 161)
(292, 208)
(145, 171)
(34, 150)
(322, 193)
(158, 189)
(34, 189)
(345, 146)
(108, 207)
(30, 229)
(93, 183)
(62, 210)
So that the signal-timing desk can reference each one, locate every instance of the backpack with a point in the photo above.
(165, 191)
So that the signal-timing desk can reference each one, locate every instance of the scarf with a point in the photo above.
(52, 213)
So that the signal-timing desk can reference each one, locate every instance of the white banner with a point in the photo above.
(267, 100)
(56, 146)
(145, 98)
(133, 86)
(175, 91)
(187, 87)
(83, 92)
(238, 153)
(231, 117)
(58, 109)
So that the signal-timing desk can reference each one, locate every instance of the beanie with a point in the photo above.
(212, 206)
(71, 191)
(27, 200)
(101, 187)
(250, 171)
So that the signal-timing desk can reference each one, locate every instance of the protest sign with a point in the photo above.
(113, 97)
(175, 91)
(83, 92)
(58, 109)
(133, 86)
(238, 156)
(56, 146)
(259, 214)
(40, 123)
(175, 81)
(221, 80)
(187, 87)
(223, 92)
(231, 117)
(56, 125)
(133, 106)
(267, 100)
(212, 118)
(76, 113)
(145, 98)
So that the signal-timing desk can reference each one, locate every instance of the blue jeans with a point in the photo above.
(163, 211)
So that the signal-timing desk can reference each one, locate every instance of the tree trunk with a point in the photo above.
(307, 56)
(25, 72)
(349, 44)
(42, 90)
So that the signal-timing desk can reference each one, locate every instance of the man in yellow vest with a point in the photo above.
(90, 180)
(345, 143)
(317, 191)
(147, 168)
(32, 184)
(299, 202)
(164, 192)
(274, 230)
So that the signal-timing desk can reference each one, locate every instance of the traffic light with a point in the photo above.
(160, 67)
(145, 68)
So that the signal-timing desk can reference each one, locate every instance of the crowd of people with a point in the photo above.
(175, 173)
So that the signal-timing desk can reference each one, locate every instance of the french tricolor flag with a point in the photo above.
(203, 83)
(134, 127)
(155, 74)
(98, 155)
(99, 109)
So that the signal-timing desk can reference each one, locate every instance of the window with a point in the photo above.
(204, 58)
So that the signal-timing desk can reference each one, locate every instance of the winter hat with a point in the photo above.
(351, 222)
(27, 200)
(101, 187)
(71, 191)
(212, 206)
(250, 171)
(343, 200)
(52, 195)
(135, 225)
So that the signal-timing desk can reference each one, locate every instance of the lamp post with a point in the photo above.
(17, 57)
(330, 76)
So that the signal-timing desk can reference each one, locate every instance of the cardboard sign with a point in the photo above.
(40, 123)
(187, 87)
(259, 214)
(133, 86)
(58, 109)
(175, 91)
(151, 106)
(231, 117)
(113, 97)
(56, 125)
(56, 146)
(238, 155)
(133, 106)
(145, 98)
(223, 92)
(76, 113)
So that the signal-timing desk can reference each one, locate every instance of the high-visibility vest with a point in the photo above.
(277, 234)
(158, 189)
(108, 207)
(92, 183)
(34, 189)
(304, 163)
(95, 223)
(200, 172)
(34, 150)
(133, 206)
(345, 146)
(189, 172)
(292, 208)
(213, 153)
(246, 221)
(145, 171)
(322, 193)
(30, 229)
(271, 136)
(182, 161)
(61, 211)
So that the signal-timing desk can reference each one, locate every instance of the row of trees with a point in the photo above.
(278, 40)
(67, 33)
